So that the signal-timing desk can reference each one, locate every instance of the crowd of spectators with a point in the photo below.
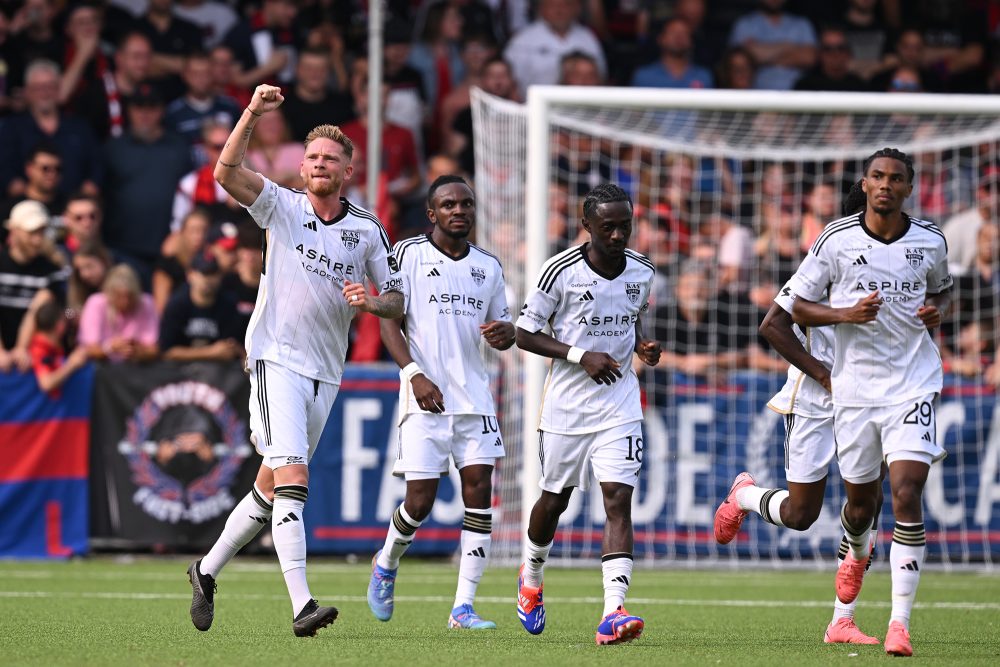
(113, 113)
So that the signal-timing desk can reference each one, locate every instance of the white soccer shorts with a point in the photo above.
(809, 448)
(615, 454)
(867, 436)
(288, 412)
(427, 440)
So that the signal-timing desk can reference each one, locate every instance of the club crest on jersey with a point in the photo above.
(350, 239)
(915, 256)
(478, 274)
(632, 291)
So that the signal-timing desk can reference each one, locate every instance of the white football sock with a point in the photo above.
(243, 524)
(476, 542)
(398, 539)
(289, 532)
(616, 570)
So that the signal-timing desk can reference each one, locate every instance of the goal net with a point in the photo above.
(730, 190)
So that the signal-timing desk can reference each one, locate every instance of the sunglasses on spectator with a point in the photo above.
(91, 215)
(49, 168)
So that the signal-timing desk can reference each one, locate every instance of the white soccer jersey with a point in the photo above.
(301, 318)
(597, 313)
(449, 298)
(802, 395)
(892, 359)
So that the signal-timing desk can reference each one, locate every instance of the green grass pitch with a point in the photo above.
(117, 611)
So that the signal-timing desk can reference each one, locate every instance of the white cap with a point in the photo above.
(29, 215)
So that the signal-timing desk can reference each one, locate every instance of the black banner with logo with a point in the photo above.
(170, 453)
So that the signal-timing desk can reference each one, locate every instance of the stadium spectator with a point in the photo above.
(961, 230)
(173, 41)
(406, 102)
(84, 59)
(120, 322)
(171, 268)
(728, 247)
(102, 102)
(400, 173)
(245, 280)
(674, 68)
(782, 45)
(702, 333)
(909, 53)
(49, 361)
(215, 19)
(535, 50)
(221, 244)
(189, 114)
(224, 73)
(6, 58)
(708, 33)
(820, 205)
(328, 38)
(496, 80)
(437, 56)
(27, 279)
(43, 173)
(620, 25)
(867, 32)
(83, 219)
(273, 153)
(201, 322)
(43, 121)
(577, 68)
(778, 249)
(144, 166)
(737, 70)
(197, 188)
(834, 69)
(955, 35)
(90, 265)
(476, 52)
(265, 44)
(310, 102)
(34, 37)
(969, 338)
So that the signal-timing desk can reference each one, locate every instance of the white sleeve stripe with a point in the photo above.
(555, 262)
(823, 239)
(550, 280)
(835, 226)
(640, 258)
(401, 249)
(931, 227)
(361, 213)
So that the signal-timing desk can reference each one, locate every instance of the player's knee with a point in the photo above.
(618, 501)
(419, 505)
(800, 516)
(554, 503)
(476, 493)
(906, 496)
(859, 514)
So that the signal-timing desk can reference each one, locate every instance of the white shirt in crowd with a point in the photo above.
(534, 52)
(597, 313)
(301, 319)
(448, 299)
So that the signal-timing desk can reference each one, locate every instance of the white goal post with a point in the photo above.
(522, 152)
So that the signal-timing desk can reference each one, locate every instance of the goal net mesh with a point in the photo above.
(726, 205)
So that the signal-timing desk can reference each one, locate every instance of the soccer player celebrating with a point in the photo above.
(592, 296)
(317, 249)
(809, 443)
(457, 298)
(886, 374)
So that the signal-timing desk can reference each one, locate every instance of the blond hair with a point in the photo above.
(122, 276)
(333, 133)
